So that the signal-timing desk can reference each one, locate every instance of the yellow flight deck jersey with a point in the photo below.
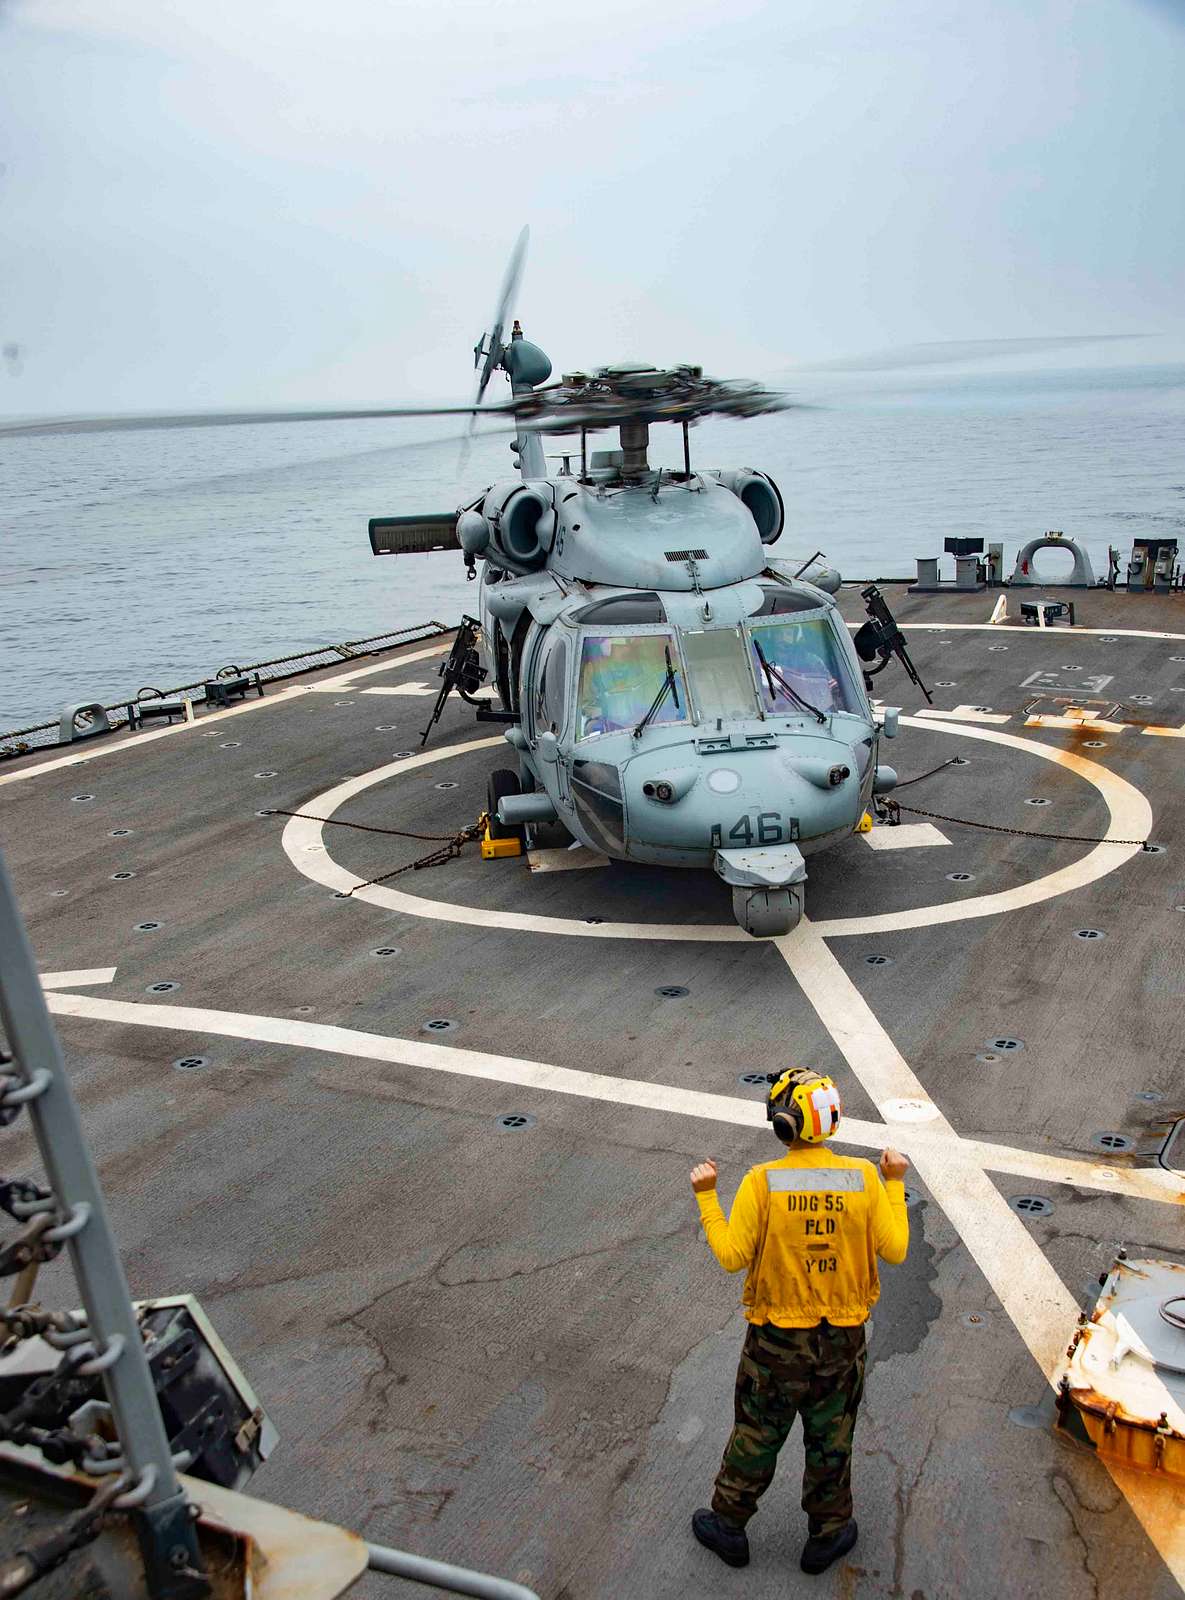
(809, 1228)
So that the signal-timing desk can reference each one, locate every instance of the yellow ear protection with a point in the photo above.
(803, 1104)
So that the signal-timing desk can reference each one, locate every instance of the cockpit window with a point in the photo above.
(806, 656)
(719, 672)
(620, 679)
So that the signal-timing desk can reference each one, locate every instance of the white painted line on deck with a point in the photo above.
(1022, 627)
(1137, 1183)
(577, 860)
(345, 680)
(1166, 733)
(80, 979)
(137, 741)
(905, 836)
(401, 688)
(965, 714)
(1075, 720)
(422, 1053)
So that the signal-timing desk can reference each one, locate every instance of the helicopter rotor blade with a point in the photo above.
(511, 279)
(228, 419)
(506, 298)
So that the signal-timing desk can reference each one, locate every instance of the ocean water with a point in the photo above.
(157, 557)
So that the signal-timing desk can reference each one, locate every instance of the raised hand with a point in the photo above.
(893, 1164)
(703, 1176)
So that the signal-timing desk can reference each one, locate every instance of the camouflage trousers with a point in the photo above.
(813, 1373)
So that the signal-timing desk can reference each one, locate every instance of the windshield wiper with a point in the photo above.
(669, 687)
(774, 677)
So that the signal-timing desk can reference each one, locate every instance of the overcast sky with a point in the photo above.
(258, 202)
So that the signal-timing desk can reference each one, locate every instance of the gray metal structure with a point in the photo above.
(36, 1078)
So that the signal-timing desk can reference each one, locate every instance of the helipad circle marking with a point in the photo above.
(1130, 818)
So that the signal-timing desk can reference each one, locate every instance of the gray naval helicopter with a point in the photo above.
(672, 693)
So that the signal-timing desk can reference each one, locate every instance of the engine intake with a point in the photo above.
(760, 497)
(522, 522)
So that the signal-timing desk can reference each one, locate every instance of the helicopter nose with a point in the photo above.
(742, 798)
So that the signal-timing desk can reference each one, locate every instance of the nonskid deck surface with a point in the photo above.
(508, 1346)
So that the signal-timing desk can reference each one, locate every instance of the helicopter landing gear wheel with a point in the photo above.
(501, 783)
(767, 913)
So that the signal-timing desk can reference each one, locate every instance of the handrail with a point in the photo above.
(440, 1575)
(347, 650)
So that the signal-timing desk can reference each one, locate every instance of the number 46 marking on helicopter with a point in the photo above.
(766, 828)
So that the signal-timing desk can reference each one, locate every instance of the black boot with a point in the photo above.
(821, 1549)
(728, 1541)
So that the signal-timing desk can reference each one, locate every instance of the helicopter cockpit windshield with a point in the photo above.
(807, 667)
(623, 677)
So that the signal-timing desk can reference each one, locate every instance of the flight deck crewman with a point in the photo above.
(809, 1228)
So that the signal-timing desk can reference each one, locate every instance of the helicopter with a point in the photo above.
(671, 693)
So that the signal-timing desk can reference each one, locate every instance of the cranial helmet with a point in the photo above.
(803, 1104)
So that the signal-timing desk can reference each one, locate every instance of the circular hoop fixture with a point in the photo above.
(1023, 576)
(1031, 1205)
